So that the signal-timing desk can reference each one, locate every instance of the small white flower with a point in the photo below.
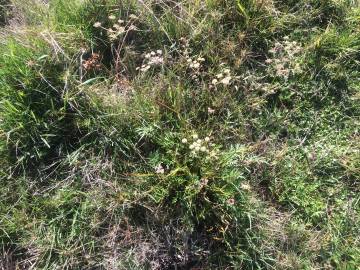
(219, 76)
(156, 60)
(97, 24)
(184, 140)
(227, 71)
(199, 141)
(210, 110)
(214, 81)
(226, 80)
(112, 36)
(245, 186)
(201, 59)
(195, 64)
(204, 182)
(159, 169)
(272, 51)
(197, 148)
(121, 30)
(191, 147)
(159, 52)
(120, 21)
(144, 69)
(195, 136)
(152, 53)
(133, 16)
(112, 17)
(297, 68)
(203, 149)
(207, 139)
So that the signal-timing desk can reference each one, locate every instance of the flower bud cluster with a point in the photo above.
(152, 59)
(199, 145)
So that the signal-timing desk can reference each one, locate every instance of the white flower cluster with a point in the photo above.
(283, 58)
(118, 28)
(159, 169)
(198, 72)
(152, 59)
(198, 145)
(185, 47)
(195, 64)
(224, 77)
(245, 186)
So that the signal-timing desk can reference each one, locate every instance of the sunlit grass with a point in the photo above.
(187, 135)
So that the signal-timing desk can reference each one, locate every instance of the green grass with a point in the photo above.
(234, 147)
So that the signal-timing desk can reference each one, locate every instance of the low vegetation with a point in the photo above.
(158, 134)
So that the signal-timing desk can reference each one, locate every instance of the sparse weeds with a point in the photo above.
(192, 135)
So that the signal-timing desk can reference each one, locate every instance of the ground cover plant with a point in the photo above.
(156, 134)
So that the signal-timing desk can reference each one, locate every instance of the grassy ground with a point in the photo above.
(156, 134)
